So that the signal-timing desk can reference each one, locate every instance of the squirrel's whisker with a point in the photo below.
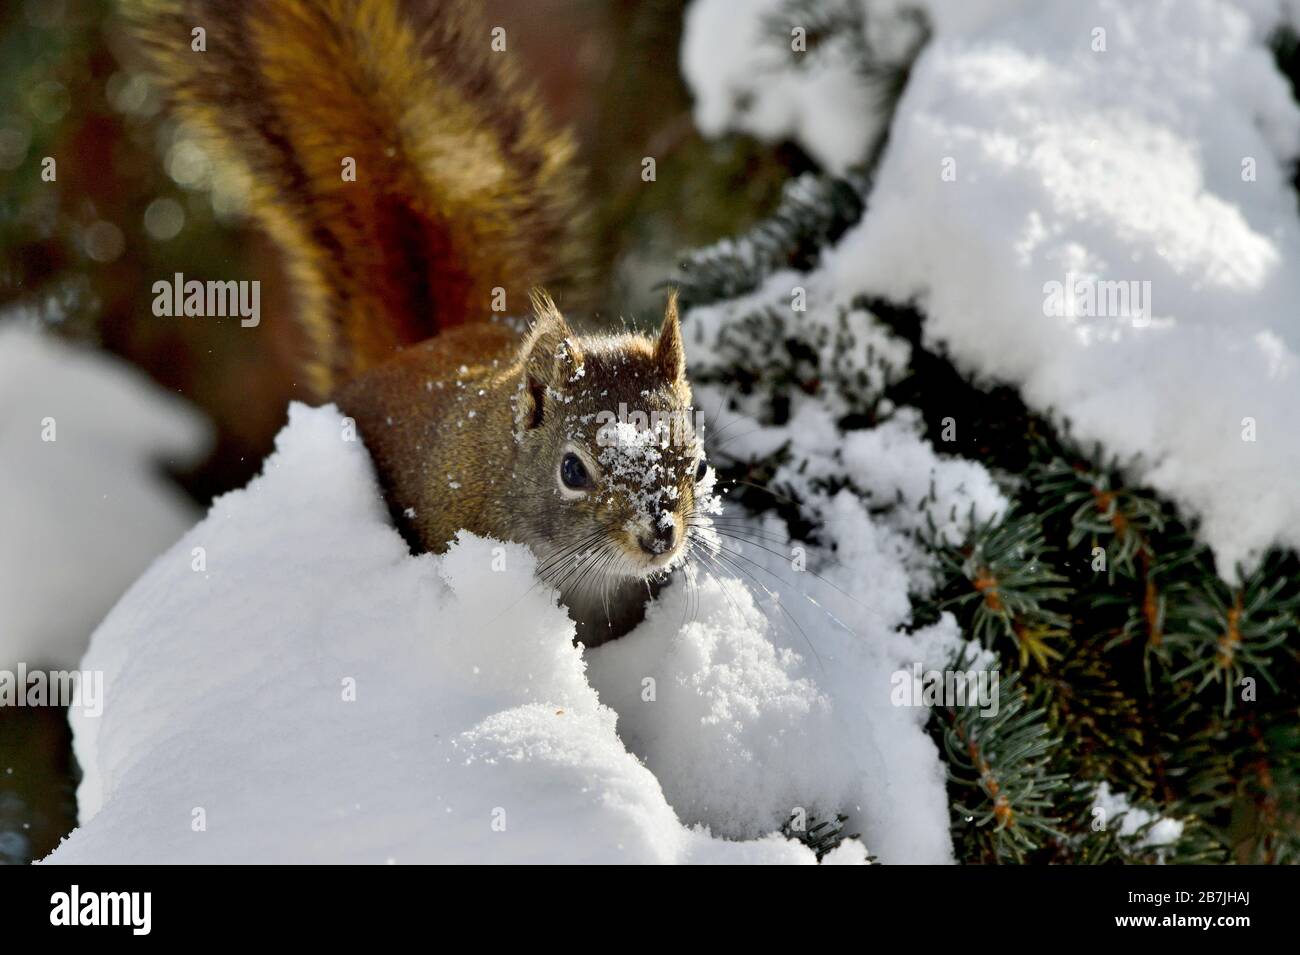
(721, 561)
(717, 447)
(542, 571)
(848, 596)
(726, 558)
(736, 613)
(771, 573)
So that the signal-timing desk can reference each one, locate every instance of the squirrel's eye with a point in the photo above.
(700, 470)
(574, 473)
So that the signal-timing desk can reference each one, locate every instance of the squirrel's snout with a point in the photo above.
(661, 540)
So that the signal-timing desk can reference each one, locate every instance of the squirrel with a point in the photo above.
(581, 446)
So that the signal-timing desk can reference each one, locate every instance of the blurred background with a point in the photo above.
(173, 412)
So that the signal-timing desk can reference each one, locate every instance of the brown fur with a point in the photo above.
(459, 442)
(461, 187)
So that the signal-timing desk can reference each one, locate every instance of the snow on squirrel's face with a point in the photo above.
(608, 437)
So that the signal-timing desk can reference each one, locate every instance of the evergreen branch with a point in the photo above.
(1009, 587)
(1100, 509)
(823, 836)
(1000, 787)
(1272, 785)
(1088, 706)
(1121, 840)
(815, 209)
(1227, 635)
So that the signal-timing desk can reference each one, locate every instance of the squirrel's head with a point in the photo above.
(608, 459)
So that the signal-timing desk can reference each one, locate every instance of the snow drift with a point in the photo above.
(84, 505)
(288, 683)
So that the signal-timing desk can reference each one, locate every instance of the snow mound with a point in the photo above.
(84, 513)
(1088, 199)
(751, 722)
(314, 693)
(738, 64)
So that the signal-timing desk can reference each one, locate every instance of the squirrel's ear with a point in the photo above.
(669, 354)
(551, 350)
(551, 356)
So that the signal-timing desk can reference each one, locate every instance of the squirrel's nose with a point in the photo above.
(660, 540)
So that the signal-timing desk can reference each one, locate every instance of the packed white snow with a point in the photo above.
(84, 503)
(312, 692)
(288, 683)
(733, 55)
(1088, 199)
